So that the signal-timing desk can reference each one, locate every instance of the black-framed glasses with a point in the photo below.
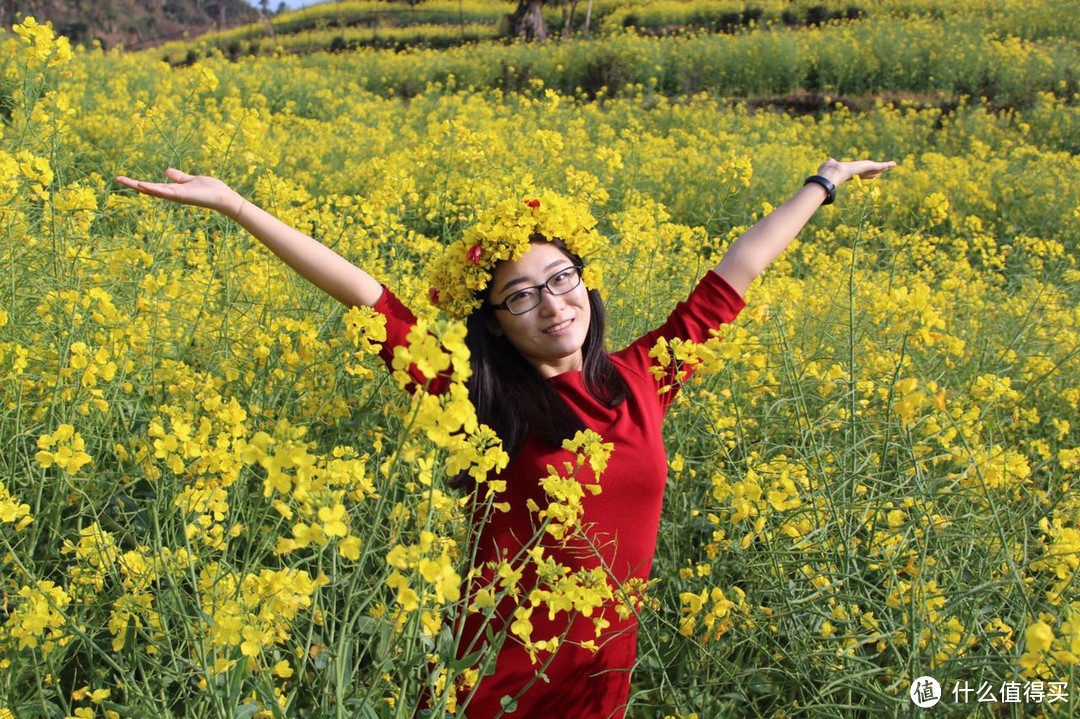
(528, 298)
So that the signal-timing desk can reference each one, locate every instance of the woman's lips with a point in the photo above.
(559, 328)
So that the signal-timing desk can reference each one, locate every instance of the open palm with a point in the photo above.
(187, 189)
(840, 172)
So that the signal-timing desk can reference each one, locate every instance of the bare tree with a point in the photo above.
(528, 20)
(264, 15)
(568, 22)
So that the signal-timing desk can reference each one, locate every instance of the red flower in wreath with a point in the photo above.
(474, 254)
(533, 203)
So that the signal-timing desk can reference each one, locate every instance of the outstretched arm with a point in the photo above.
(316, 262)
(756, 248)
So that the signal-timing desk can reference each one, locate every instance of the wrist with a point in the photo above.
(828, 187)
(833, 172)
(232, 204)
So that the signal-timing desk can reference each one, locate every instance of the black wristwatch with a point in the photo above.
(830, 188)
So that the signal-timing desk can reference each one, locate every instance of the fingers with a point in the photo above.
(868, 169)
(882, 166)
(873, 169)
(840, 172)
(166, 190)
(172, 173)
(136, 185)
(154, 189)
(177, 176)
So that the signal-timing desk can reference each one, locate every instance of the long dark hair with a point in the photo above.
(513, 399)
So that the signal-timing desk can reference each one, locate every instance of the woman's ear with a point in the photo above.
(492, 326)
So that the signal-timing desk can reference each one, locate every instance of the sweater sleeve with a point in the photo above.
(399, 320)
(712, 303)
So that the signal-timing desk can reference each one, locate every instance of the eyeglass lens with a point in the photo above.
(559, 284)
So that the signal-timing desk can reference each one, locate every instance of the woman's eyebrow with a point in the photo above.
(519, 280)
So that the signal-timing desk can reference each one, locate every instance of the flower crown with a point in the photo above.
(503, 232)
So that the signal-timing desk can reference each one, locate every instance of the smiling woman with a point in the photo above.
(553, 333)
(547, 328)
(560, 568)
(540, 376)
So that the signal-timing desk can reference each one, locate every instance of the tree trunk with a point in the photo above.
(588, 16)
(568, 26)
(264, 15)
(10, 13)
(528, 20)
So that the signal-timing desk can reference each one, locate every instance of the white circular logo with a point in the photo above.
(925, 692)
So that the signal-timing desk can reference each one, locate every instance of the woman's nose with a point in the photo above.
(549, 301)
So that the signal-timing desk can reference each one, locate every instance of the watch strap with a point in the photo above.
(830, 188)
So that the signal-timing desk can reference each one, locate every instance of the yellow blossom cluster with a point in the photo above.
(366, 329)
(63, 448)
(254, 612)
(712, 609)
(1052, 644)
(563, 512)
(503, 232)
(218, 494)
(12, 511)
(676, 360)
(22, 170)
(436, 571)
(102, 568)
(42, 43)
(39, 619)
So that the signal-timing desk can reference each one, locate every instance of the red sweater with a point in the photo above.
(621, 523)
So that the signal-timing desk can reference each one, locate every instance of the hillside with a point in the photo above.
(135, 23)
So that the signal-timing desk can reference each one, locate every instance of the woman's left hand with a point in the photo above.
(840, 172)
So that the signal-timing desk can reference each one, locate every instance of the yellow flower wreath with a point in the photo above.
(503, 232)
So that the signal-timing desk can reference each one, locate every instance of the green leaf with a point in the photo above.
(247, 710)
(362, 709)
(458, 665)
(445, 644)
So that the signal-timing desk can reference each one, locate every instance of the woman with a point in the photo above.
(540, 373)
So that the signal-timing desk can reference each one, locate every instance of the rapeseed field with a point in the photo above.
(216, 500)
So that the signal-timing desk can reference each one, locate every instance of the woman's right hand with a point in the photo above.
(316, 262)
(186, 189)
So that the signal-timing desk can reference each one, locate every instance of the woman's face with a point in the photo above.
(550, 335)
